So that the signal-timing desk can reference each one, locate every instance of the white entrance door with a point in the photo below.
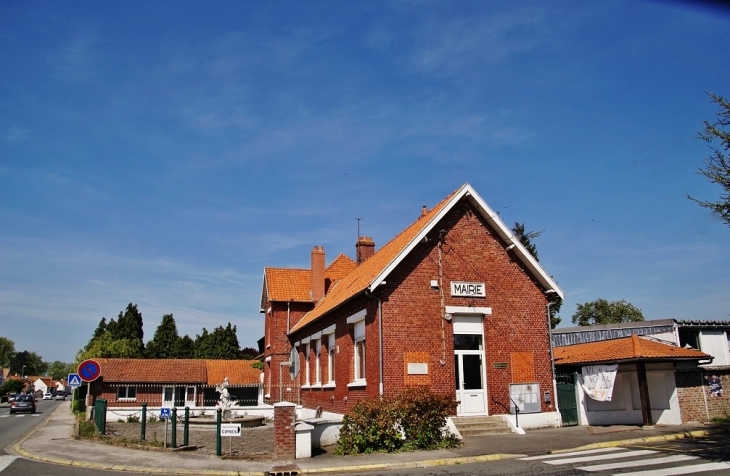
(168, 397)
(469, 368)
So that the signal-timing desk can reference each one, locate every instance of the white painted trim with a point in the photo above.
(268, 359)
(357, 317)
(485, 311)
(296, 344)
(306, 340)
(316, 335)
(329, 330)
(502, 230)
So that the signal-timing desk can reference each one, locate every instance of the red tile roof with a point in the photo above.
(178, 371)
(361, 277)
(632, 348)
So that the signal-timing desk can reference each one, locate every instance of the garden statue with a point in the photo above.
(225, 398)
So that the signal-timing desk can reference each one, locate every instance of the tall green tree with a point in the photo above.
(222, 343)
(717, 164)
(185, 347)
(106, 347)
(164, 345)
(59, 370)
(32, 362)
(129, 324)
(526, 238)
(601, 311)
(7, 351)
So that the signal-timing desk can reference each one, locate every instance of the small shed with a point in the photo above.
(636, 375)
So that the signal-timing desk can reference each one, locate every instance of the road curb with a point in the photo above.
(411, 464)
(636, 441)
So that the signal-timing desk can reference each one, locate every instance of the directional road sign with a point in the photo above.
(89, 370)
(74, 380)
(230, 429)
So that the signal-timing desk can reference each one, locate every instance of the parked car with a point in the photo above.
(23, 403)
(60, 395)
(48, 396)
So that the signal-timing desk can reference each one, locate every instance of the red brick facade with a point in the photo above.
(696, 403)
(463, 246)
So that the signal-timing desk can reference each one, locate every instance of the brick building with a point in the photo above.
(453, 302)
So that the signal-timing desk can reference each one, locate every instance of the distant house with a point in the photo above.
(454, 302)
(699, 388)
(175, 382)
(43, 384)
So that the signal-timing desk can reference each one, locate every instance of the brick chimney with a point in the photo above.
(317, 273)
(364, 248)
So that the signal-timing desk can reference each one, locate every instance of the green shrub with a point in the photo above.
(413, 419)
(132, 419)
(87, 429)
(78, 406)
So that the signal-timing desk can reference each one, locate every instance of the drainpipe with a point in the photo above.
(288, 314)
(380, 335)
(552, 359)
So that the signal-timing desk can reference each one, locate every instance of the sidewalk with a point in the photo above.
(52, 442)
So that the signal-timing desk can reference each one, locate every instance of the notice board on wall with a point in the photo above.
(525, 396)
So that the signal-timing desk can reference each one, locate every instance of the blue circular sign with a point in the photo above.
(89, 370)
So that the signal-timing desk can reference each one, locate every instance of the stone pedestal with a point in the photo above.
(304, 440)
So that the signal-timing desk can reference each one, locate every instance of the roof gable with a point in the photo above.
(283, 284)
(370, 274)
(625, 349)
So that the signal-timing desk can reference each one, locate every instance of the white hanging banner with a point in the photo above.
(598, 381)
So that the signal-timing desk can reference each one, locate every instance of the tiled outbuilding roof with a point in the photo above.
(178, 371)
(288, 284)
(626, 349)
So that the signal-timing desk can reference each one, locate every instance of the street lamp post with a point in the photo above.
(22, 372)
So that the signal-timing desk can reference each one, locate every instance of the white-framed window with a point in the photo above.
(306, 364)
(331, 358)
(359, 335)
(318, 361)
(127, 393)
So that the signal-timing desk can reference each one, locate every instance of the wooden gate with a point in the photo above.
(566, 399)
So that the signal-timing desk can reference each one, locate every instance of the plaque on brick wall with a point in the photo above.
(415, 368)
(499, 365)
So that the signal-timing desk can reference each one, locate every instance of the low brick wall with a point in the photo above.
(696, 402)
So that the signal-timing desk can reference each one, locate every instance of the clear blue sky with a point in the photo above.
(163, 153)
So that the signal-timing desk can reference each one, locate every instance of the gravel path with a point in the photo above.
(257, 442)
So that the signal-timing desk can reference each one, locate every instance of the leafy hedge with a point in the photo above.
(412, 419)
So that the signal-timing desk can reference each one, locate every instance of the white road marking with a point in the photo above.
(572, 453)
(586, 459)
(641, 462)
(681, 470)
(5, 461)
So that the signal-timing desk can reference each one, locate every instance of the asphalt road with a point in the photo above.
(14, 427)
(707, 456)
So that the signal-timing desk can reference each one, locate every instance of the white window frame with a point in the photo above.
(127, 398)
(331, 359)
(359, 343)
(307, 372)
(318, 362)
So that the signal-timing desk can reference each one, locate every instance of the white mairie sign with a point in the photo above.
(459, 288)
(230, 429)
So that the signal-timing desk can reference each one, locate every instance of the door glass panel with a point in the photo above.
(467, 342)
(457, 372)
(473, 372)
